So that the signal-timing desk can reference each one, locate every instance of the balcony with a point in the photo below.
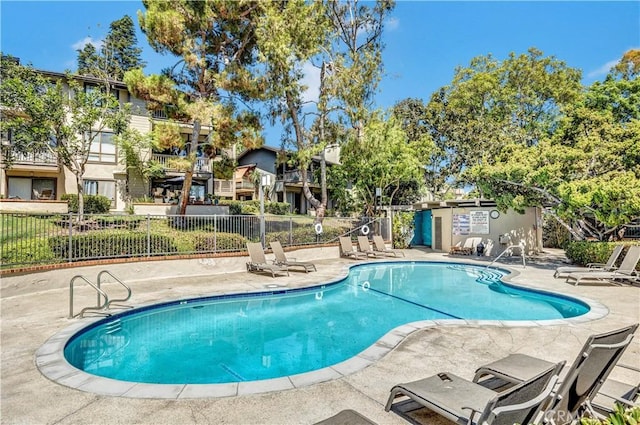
(202, 164)
(245, 185)
(223, 187)
(295, 177)
(46, 161)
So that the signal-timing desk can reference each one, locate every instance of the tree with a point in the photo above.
(492, 105)
(289, 35)
(412, 117)
(587, 171)
(383, 159)
(58, 115)
(119, 50)
(215, 42)
(118, 54)
(296, 33)
(89, 62)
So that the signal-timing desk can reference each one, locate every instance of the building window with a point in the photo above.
(32, 188)
(103, 148)
(101, 187)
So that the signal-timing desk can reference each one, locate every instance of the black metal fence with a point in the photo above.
(29, 239)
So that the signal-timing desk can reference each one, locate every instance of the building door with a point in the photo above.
(427, 228)
(417, 228)
(437, 227)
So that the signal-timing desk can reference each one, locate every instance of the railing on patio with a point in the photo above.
(202, 164)
(44, 158)
(27, 239)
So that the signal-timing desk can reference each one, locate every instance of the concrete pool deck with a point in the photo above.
(35, 307)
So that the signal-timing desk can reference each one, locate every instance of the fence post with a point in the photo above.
(70, 259)
(215, 233)
(290, 231)
(148, 235)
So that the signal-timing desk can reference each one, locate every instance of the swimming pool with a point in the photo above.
(250, 337)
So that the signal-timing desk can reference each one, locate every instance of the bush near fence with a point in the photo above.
(111, 245)
(305, 235)
(27, 239)
(219, 242)
(582, 253)
(93, 204)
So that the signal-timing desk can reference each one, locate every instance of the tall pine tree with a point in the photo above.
(119, 53)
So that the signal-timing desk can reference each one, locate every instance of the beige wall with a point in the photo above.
(508, 229)
(40, 207)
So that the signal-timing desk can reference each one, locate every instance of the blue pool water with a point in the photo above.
(245, 338)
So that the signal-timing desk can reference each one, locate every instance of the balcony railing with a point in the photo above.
(41, 158)
(223, 187)
(296, 177)
(245, 185)
(202, 164)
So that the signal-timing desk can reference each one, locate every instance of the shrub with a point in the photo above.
(305, 235)
(111, 244)
(621, 416)
(219, 242)
(582, 252)
(278, 208)
(235, 207)
(38, 252)
(93, 204)
(402, 229)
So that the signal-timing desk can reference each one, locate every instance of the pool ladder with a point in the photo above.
(509, 251)
(103, 302)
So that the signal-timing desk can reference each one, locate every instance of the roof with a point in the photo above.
(454, 203)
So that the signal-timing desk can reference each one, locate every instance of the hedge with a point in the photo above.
(305, 235)
(582, 253)
(219, 242)
(110, 245)
(93, 204)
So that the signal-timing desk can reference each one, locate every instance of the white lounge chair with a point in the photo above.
(563, 271)
(626, 271)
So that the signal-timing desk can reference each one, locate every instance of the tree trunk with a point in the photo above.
(188, 175)
(80, 187)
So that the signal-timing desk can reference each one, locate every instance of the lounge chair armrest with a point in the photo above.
(618, 399)
(626, 366)
(473, 413)
(590, 265)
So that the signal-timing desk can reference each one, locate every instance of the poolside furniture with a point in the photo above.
(346, 249)
(583, 379)
(347, 417)
(259, 263)
(282, 260)
(365, 247)
(464, 401)
(379, 246)
(457, 249)
(609, 265)
(613, 391)
(626, 271)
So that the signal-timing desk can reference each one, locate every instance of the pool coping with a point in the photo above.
(50, 360)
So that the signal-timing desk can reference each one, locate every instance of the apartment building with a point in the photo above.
(286, 180)
(37, 177)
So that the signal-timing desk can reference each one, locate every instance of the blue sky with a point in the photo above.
(425, 40)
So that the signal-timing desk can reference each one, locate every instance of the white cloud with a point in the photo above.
(311, 79)
(392, 24)
(79, 45)
(603, 70)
